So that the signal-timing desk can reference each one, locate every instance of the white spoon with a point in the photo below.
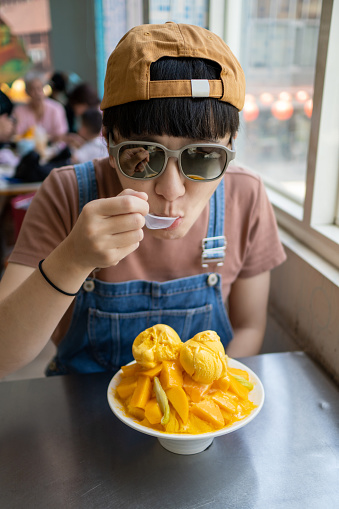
(158, 222)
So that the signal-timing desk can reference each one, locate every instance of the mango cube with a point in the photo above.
(127, 387)
(152, 411)
(152, 371)
(195, 390)
(142, 392)
(210, 412)
(171, 374)
(224, 402)
(130, 370)
(177, 396)
(237, 388)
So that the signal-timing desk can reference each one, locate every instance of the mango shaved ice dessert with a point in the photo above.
(177, 387)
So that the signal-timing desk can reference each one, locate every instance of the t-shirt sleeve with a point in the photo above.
(49, 218)
(262, 249)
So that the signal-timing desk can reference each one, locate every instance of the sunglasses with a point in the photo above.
(142, 160)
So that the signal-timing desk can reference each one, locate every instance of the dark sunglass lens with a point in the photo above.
(141, 161)
(203, 163)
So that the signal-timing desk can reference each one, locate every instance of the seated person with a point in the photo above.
(94, 146)
(88, 272)
(6, 122)
(82, 98)
(6, 128)
(58, 84)
(40, 111)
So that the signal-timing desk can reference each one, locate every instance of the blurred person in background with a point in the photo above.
(94, 146)
(6, 121)
(80, 99)
(58, 83)
(40, 111)
(6, 128)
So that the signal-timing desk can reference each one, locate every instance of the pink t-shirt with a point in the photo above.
(253, 244)
(54, 120)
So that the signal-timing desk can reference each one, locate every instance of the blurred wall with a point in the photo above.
(73, 47)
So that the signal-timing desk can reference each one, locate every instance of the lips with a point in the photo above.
(175, 224)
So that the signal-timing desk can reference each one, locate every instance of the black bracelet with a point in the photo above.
(52, 284)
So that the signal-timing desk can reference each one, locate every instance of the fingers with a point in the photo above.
(127, 202)
(105, 250)
(119, 254)
(132, 160)
(132, 192)
(109, 229)
(74, 140)
(118, 241)
(123, 223)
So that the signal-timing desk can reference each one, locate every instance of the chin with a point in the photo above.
(166, 234)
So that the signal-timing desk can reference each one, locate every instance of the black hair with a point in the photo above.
(205, 118)
(84, 94)
(58, 82)
(92, 120)
(6, 105)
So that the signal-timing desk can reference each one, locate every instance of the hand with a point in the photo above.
(133, 160)
(108, 229)
(73, 140)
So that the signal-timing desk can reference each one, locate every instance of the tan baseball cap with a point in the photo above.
(128, 68)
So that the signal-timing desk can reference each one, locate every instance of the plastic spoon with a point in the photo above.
(158, 222)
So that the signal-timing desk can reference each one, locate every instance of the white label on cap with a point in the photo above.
(200, 88)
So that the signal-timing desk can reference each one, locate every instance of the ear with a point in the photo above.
(112, 162)
(111, 159)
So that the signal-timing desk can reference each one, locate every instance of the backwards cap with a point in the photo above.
(128, 68)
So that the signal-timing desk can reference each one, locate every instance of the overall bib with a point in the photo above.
(107, 317)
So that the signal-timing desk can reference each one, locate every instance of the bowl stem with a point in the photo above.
(185, 447)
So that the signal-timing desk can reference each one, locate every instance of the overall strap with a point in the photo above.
(214, 245)
(87, 185)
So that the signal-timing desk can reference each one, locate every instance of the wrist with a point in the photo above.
(44, 275)
(63, 272)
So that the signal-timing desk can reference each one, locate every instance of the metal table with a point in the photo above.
(61, 446)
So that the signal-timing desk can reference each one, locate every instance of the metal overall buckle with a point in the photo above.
(213, 254)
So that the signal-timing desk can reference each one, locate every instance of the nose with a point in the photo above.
(171, 184)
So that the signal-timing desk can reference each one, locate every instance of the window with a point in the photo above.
(35, 38)
(290, 123)
(183, 11)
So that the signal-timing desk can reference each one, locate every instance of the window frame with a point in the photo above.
(316, 222)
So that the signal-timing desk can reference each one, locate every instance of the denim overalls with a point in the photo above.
(107, 317)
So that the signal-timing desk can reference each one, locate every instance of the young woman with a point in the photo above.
(88, 272)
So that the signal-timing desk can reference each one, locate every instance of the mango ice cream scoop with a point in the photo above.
(156, 344)
(203, 357)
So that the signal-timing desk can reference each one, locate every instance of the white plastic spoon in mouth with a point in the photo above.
(158, 222)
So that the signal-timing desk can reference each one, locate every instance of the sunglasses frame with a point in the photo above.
(114, 151)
